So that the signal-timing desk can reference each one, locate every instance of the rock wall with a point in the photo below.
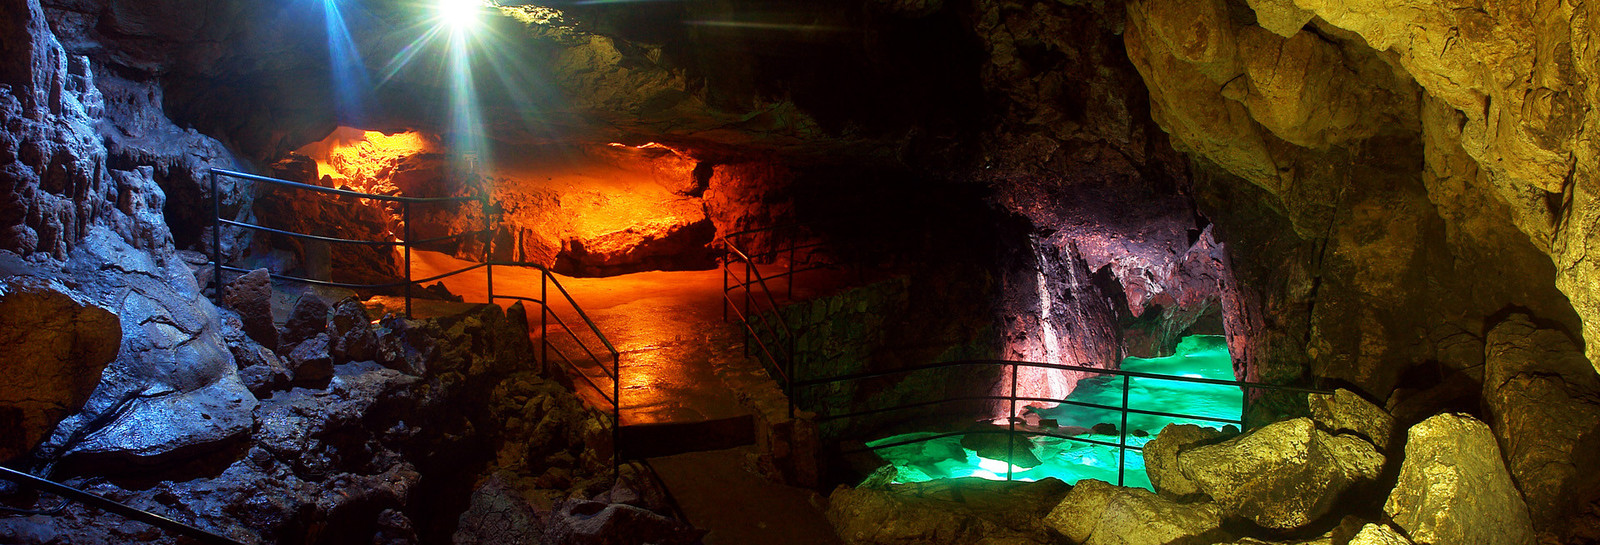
(85, 158)
(1348, 177)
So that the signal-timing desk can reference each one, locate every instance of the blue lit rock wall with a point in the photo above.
(84, 208)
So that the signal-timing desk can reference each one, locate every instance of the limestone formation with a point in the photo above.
(1344, 411)
(1096, 513)
(55, 344)
(1161, 458)
(1285, 475)
(308, 319)
(958, 511)
(250, 295)
(1544, 404)
(1454, 488)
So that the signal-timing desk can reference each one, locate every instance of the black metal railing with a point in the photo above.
(773, 341)
(767, 334)
(110, 506)
(1013, 399)
(598, 355)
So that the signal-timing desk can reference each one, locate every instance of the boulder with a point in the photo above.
(250, 295)
(1454, 489)
(1346, 412)
(1544, 407)
(309, 363)
(952, 511)
(1284, 475)
(581, 522)
(498, 514)
(1378, 534)
(1161, 458)
(173, 425)
(309, 317)
(1096, 513)
(260, 369)
(351, 330)
(56, 344)
(670, 243)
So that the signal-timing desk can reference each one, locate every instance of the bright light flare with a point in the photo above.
(459, 15)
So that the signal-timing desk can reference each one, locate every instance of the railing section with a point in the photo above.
(108, 505)
(600, 356)
(747, 292)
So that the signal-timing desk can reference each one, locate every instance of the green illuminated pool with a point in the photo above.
(1199, 356)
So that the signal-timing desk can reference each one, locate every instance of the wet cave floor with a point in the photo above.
(1197, 356)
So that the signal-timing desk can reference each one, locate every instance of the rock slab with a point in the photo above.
(1161, 458)
(1283, 475)
(1098, 513)
(1454, 489)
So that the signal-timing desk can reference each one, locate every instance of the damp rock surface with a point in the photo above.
(1544, 407)
(1097, 513)
(1344, 411)
(1285, 475)
(1161, 458)
(954, 511)
(1454, 487)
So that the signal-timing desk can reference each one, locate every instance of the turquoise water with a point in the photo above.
(1199, 356)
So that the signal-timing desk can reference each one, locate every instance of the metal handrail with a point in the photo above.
(1124, 409)
(488, 263)
(112, 506)
(754, 278)
(783, 370)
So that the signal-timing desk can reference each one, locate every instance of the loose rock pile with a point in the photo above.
(1337, 478)
(381, 432)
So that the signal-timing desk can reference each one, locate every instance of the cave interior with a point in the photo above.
(799, 271)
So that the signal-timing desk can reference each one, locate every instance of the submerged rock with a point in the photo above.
(1284, 475)
(994, 447)
(1454, 488)
(1098, 513)
(1161, 458)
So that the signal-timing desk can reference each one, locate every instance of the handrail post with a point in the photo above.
(794, 354)
(544, 321)
(1011, 424)
(616, 417)
(216, 242)
(488, 247)
(1122, 443)
(405, 217)
(724, 267)
(792, 240)
(747, 266)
